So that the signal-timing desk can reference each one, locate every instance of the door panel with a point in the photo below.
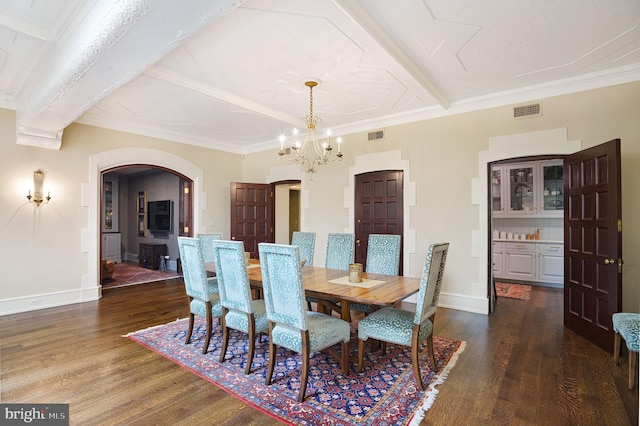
(593, 242)
(252, 218)
(378, 208)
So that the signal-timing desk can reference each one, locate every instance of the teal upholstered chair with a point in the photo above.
(203, 300)
(239, 311)
(290, 324)
(307, 243)
(340, 251)
(383, 257)
(627, 327)
(383, 254)
(207, 248)
(408, 328)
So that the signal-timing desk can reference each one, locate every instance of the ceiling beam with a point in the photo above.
(364, 20)
(214, 92)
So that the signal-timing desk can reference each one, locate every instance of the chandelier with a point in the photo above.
(320, 150)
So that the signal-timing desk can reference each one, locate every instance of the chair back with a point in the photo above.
(307, 243)
(431, 282)
(193, 272)
(282, 284)
(340, 251)
(231, 271)
(207, 248)
(383, 254)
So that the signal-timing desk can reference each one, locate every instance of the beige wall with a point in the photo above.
(48, 256)
(443, 156)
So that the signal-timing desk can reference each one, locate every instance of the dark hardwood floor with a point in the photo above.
(521, 366)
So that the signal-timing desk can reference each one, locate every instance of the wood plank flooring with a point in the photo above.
(521, 366)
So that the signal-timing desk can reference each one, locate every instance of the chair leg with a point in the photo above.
(616, 348)
(415, 354)
(272, 356)
(345, 358)
(633, 356)
(225, 337)
(252, 343)
(190, 330)
(432, 357)
(209, 328)
(306, 354)
(360, 354)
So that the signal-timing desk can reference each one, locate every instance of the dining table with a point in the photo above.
(333, 285)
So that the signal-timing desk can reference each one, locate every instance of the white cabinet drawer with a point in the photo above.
(551, 248)
(520, 246)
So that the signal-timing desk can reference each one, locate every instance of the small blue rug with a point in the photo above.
(385, 393)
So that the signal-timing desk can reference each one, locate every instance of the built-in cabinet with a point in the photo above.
(528, 261)
(110, 204)
(111, 246)
(111, 237)
(527, 200)
(528, 189)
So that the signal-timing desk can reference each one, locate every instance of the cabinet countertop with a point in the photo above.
(504, 240)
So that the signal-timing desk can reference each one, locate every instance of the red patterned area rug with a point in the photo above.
(126, 274)
(513, 291)
(385, 393)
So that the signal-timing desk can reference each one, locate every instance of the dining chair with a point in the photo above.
(626, 326)
(383, 257)
(239, 311)
(290, 324)
(408, 328)
(207, 249)
(340, 251)
(307, 242)
(203, 300)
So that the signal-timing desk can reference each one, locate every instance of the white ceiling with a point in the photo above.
(229, 74)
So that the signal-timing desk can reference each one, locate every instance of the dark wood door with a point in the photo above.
(252, 219)
(378, 208)
(593, 242)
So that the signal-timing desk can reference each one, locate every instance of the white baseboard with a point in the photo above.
(48, 300)
(461, 302)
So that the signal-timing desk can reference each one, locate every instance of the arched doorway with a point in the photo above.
(131, 228)
(91, 191)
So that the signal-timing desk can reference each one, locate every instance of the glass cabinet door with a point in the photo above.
(552, 187)
(521, 189)
(110, 203)
(497, 191)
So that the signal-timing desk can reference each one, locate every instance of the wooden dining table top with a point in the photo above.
(390, 290)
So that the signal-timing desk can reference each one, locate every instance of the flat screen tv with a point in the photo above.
(160, 216)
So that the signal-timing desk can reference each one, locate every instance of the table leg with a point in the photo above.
(345, 311)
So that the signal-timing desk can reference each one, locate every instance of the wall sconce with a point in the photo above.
(38, 180)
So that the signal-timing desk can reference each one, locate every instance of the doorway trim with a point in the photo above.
(543, 142)
(91, 289)
(389, 160)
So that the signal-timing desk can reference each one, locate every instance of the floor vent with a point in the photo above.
(376, 135)
(525, 111)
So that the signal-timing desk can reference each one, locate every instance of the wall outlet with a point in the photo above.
(36, 302)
